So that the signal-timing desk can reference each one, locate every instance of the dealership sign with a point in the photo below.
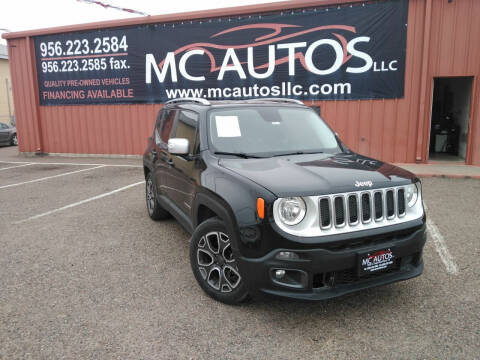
(338, 53)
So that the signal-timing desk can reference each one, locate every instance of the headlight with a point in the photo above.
(411, 194)
(291, 210)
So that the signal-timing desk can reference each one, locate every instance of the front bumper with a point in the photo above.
(327, 273)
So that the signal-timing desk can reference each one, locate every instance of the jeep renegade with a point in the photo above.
(277, 204)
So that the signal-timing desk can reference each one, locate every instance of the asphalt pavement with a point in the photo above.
(85, 274)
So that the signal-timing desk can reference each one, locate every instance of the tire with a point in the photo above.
(155, 211)
(213, 263)
(14, 140)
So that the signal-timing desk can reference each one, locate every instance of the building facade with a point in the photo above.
(436, 118)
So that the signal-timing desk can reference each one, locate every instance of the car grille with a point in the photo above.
(324, 212)
(339, 210)
(354, 211)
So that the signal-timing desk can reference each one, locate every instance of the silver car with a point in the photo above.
(8, 135)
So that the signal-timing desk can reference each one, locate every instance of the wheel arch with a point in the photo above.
(146, 170)
(208, 204)
(204, 213)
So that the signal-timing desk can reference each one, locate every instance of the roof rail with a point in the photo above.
(287, 100)
(189, 99)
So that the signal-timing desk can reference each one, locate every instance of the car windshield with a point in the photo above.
(270, 131)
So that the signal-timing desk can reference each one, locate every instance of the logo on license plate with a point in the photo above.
(378, 260)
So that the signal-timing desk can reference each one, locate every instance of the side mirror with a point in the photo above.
(178, 146)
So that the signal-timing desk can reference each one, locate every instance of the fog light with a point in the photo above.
(292, 278)
(287, 255)
(279, 274)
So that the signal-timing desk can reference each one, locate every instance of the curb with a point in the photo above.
(449, 176)
(444, 171)
(74, 155)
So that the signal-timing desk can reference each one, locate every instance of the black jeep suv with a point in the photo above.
(277, 204)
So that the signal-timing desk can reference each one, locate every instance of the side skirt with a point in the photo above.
(176, 212)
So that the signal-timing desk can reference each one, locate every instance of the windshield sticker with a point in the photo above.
(227, 126)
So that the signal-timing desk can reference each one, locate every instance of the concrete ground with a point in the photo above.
(84, 275)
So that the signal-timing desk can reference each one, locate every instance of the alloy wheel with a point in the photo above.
(15, 140)
(150, 196)
(216, 263)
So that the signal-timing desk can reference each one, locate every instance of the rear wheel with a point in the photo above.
(14, 140)
(155, 211)
(214, 264)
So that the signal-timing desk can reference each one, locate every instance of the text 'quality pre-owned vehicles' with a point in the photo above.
(277, 204)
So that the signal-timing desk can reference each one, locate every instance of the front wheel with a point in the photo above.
(14, 140)
(213, 262)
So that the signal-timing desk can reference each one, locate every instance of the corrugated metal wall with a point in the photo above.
(455, 51)
(24, 93)
(111, 129)
(392, 130)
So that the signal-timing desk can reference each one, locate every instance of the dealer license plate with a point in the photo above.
(376, 261)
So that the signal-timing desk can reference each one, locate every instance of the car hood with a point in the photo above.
(317, 174)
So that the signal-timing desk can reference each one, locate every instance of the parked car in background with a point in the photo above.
(8, 135)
